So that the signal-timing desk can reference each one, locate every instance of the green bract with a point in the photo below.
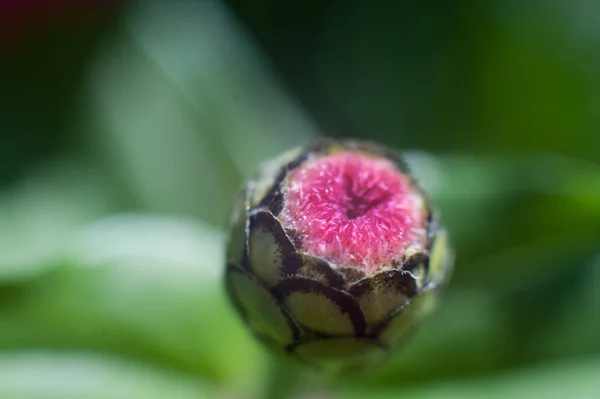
(307, 306)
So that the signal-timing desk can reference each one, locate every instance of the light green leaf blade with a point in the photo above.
(142, 286)
(51, 375)
(40, 215)
(576, 378)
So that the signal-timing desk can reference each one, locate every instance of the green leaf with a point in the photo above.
(185, 110)
(40, 215)
(513, 214)
(204, 53)
(51, 375)
(470, 333)
(577, 378)
(574, 327)
(143, 286)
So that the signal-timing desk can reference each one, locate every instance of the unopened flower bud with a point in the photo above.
(335, 253)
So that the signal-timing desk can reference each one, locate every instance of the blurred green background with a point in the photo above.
(128, 126)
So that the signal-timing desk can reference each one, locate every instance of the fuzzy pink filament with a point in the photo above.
(354, 210)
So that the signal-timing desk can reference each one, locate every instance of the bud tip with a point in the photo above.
(355, 210)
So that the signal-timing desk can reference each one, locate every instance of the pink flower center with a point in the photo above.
(354, 210)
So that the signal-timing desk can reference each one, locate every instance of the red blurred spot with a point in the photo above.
(24, 19)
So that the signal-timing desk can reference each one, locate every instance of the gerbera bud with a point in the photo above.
(335, 254)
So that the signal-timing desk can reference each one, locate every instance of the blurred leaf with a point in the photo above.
(391, 72)
(574, 326)
(151, 134)
(48, 375)
(146, 287)
(39, 216)
(513, 214)
(469, 334)
(205, 54)
(537, 88)
(175, 100)
(577, 378)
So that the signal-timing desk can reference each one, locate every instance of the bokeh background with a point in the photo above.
(126, 128)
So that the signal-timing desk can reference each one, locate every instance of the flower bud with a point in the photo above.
(335, 254)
